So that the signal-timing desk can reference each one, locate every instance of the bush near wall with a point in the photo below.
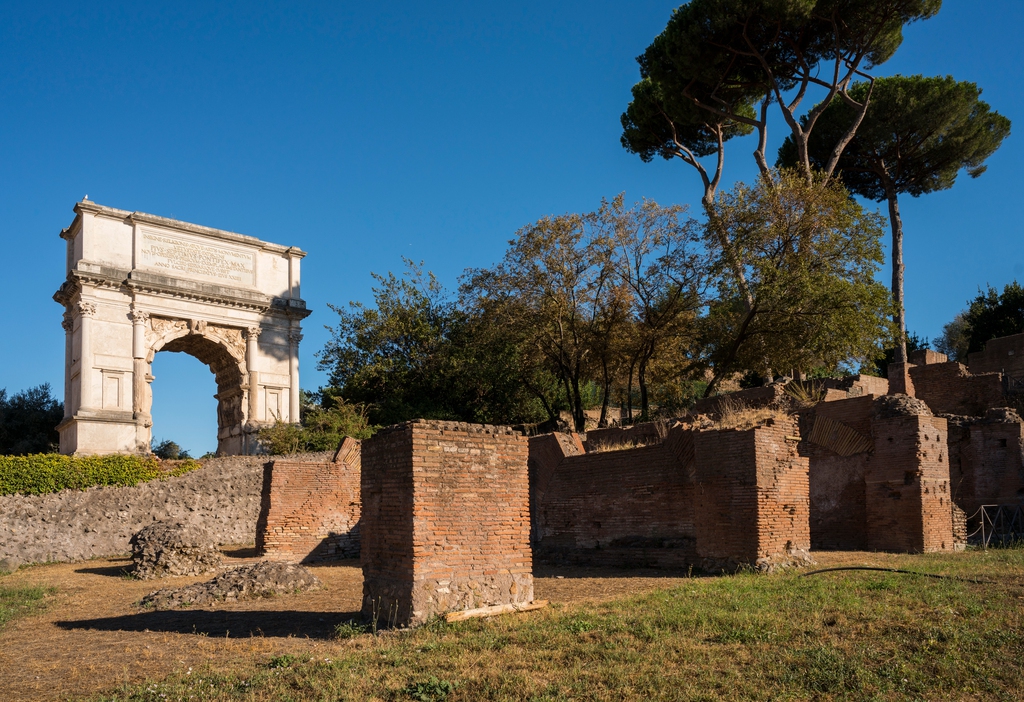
(42, 473)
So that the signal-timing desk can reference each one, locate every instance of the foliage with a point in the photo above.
(955, 338)
(720, 65)
(324, 425)
(842, 635)
(916, 138)
(18, 602)
(414, 353)
(40, 474)
(169, 450)
(28, 421)
(429, 690)
(808, 253)
(994, 314)
(879, 364)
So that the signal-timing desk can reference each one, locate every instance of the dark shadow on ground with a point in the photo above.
(118, 571)
(313, 625)
(243, 552)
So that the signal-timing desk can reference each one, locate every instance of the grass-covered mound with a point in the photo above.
(841, 635)
(43, 473)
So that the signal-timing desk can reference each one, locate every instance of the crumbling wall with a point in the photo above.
(767, 396)
(310, 510)
(446, 520)
(989, 453)
(222, 498)
(751, 494)
(630, 507)
(948, 388)
(1002, 355)
(908, 494)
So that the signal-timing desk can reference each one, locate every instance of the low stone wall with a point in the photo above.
(222, 497)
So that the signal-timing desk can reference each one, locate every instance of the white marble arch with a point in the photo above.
(137, 285)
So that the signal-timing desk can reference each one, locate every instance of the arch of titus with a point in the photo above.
(139, 284)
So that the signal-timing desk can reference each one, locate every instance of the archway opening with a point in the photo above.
(184, 403)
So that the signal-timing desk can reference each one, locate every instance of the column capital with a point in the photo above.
(138, 316)
(295, 337)
(68, 322)
(85, 309)
(253, 332)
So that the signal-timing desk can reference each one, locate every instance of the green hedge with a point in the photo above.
(42, 473)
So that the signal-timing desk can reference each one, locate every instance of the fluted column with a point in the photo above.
(86, 310)
(69, 349)
(294, 337)
(139, 366)
(252, 335)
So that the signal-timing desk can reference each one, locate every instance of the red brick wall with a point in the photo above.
(751, 494)
(947, 388)
(618, 508)
(310, 511)
(1002, 355)
(992, 466)
(446, 520)
(907, 486)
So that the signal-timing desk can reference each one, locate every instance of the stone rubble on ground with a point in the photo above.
(167, 549)
(245, 582)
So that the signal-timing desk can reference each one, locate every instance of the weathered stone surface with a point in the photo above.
(161, 550)
(246, 582)
(9, 565)
(223, 497)
(889, 406)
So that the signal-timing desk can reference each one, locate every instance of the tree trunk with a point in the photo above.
(641, 379)
(603, 421)
(629, 392)
(899, 314)
(579, 418)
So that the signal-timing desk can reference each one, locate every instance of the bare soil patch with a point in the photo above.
(93, 636)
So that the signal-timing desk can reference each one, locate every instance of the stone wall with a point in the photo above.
(222, 497)
(446, 520)
(948, 388)
(987, 460)
(310, 510)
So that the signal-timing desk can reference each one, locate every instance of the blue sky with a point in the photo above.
(364, 132)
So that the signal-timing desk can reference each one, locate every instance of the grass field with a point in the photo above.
(842, 635)
(20, 601)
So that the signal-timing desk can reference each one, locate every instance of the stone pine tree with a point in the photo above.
(916, 138)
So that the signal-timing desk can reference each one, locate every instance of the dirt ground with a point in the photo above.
(91, 636)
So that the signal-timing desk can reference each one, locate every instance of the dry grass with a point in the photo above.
(733, 414)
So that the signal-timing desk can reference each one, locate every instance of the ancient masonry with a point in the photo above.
(445, 520)
(310, 510)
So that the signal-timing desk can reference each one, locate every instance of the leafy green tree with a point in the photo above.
(719, 66)
(916, 138)
(993, 314)
(954, 340)
(810, 252)
(169, 450)
(326, 420)
(879, 365)
(28, 421)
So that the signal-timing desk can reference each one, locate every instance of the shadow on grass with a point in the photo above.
(574, 571)
(313, 625)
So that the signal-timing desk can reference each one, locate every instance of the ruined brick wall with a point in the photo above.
(992, 460)
(838, 516)
(907, 486)
(1002, 355)
(948, 388)
(767, 396)
(638, 434)
(446, 520)
(617, 508)
(751, 494)
(310, 510)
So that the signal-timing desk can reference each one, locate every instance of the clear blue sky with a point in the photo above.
(364, 132)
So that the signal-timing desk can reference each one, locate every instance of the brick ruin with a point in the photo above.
(449, 516)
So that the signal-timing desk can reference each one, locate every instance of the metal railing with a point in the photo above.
(996, 525)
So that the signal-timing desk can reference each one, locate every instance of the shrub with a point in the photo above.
(321, 429)
(42, 473)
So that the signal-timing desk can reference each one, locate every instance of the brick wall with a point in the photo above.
(948, 388)
(1002, 355)
(617, 508)
(992, 471)
(766, 396)
(310, 510)
(445, 520)
(907, 486)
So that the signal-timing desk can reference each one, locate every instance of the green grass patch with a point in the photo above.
(43, 473)
(20, 601)
(844, 635)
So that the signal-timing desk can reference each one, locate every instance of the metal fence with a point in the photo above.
(996, 525)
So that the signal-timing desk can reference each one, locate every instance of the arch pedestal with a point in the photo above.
(138, 285)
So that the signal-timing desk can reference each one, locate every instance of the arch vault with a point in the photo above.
(138, 284)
